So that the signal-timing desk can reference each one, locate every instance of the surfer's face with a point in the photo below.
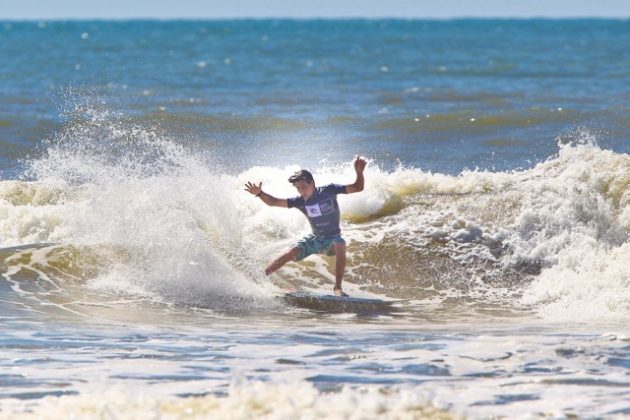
(305, 188)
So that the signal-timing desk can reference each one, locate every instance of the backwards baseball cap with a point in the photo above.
(301, 175)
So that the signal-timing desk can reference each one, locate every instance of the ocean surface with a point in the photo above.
(496, 214)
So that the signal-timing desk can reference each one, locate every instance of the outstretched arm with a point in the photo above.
(359, 166)
(270, 200)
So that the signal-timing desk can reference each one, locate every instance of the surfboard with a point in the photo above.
(332, 303)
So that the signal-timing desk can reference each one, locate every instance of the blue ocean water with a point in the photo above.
(489, 93)
(496, 213)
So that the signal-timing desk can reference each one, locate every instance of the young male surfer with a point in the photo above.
(319, 205)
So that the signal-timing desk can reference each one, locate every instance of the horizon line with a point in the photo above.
(305, 18)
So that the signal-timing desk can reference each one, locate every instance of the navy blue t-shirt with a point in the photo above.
(321, 209)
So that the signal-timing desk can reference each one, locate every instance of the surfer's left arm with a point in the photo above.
(359, 167)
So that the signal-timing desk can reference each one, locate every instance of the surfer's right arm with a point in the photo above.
(270, 200)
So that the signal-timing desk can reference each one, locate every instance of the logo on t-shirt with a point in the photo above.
(313, 210)
(322, 208)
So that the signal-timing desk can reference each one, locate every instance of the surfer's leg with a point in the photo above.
(282, 259)
(340, 266)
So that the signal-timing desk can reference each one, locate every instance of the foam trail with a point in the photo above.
(155, 219)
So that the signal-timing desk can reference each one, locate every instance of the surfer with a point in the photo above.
(319, 205)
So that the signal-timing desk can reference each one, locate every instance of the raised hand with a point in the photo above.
(253, 188)
(359, 164)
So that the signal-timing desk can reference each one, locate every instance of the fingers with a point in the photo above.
(360, 163)
(253, 188)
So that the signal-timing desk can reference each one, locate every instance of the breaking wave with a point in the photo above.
(115, 207)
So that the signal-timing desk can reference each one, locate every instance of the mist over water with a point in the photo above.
(496, 214)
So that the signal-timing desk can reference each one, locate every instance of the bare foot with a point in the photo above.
(339, 292)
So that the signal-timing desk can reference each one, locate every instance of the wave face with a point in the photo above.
(113, 208)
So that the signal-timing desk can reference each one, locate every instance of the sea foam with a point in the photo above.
(164, 219)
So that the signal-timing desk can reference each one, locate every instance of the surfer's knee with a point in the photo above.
(293, 253)
(284, 258)
(339, 248)
(289, 255)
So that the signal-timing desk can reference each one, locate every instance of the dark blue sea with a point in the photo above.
(495, 220)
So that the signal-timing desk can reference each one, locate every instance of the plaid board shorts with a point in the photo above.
(312, 244)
